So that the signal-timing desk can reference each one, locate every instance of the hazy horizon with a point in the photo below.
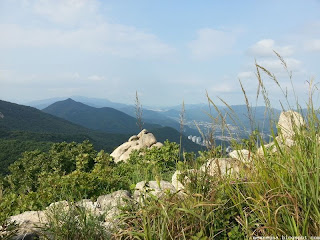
(92, 100)
(167, 51)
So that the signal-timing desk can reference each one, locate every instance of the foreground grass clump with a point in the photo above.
(206, 215)
(277, 195)
(73, 223)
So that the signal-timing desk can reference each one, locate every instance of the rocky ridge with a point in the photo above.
(144, 139)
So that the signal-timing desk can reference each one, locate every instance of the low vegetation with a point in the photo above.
(74, 171)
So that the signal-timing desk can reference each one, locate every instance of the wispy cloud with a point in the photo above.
(67, 12)
(96, 78)
(246, 75)
(312, 45)
(275, 65)
(265, 48)
(118, 40)
(77, 24)
(212, 43)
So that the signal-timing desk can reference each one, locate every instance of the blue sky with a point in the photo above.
(168, 51)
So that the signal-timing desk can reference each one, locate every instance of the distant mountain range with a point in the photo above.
(160, 118)
(104, 119)
(24, 128)
(258, 118)
(93, 102)
(113, 121)
(149, 116)
(169, 116)
(107, 124)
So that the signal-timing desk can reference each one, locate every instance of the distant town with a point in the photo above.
(227, 132)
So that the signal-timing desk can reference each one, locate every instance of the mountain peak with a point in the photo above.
(102, 119)
(69, 101)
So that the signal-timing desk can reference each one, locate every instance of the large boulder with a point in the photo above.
(109, 205)
(28, 222)
(144, 139)
(89, 207)
(113, 200)
(243, 155)
(177, 183)
(156, 188)
(26, 236)
(272, 147)
(157, 145)
(61, 206)
(222, 166)
(289, 123)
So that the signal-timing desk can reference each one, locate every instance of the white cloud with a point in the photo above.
(79, 24)
(96, 78)
(71, 12)
(312, 45)
(246, 75)
(76, 75)
(275, 66)
(211, 43)
(265, 48)
(114, 39)
(222, 88)
(4, 73)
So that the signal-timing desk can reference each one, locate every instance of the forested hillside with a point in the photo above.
(25, 129)
(102, 119)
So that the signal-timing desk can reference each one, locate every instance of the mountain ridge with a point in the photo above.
(25, 128)
(104, 119)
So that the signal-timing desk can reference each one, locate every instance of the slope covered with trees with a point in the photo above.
(25, 129)
(102, 119)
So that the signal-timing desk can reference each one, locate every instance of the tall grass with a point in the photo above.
(73, 222)
(278, 196)
(138, 111)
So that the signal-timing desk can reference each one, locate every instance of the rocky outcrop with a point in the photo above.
(29, 221)
(59, 206)
(222, 166)
(113, 200)
(289, 124)
(90, 207)
(144, 139)
(156, 188)
(243, 155)
(106, 205)
(110, 203)
(177, 183)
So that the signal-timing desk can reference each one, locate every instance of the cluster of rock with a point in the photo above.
(108, 205)
(290, 123)
(144, 139)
